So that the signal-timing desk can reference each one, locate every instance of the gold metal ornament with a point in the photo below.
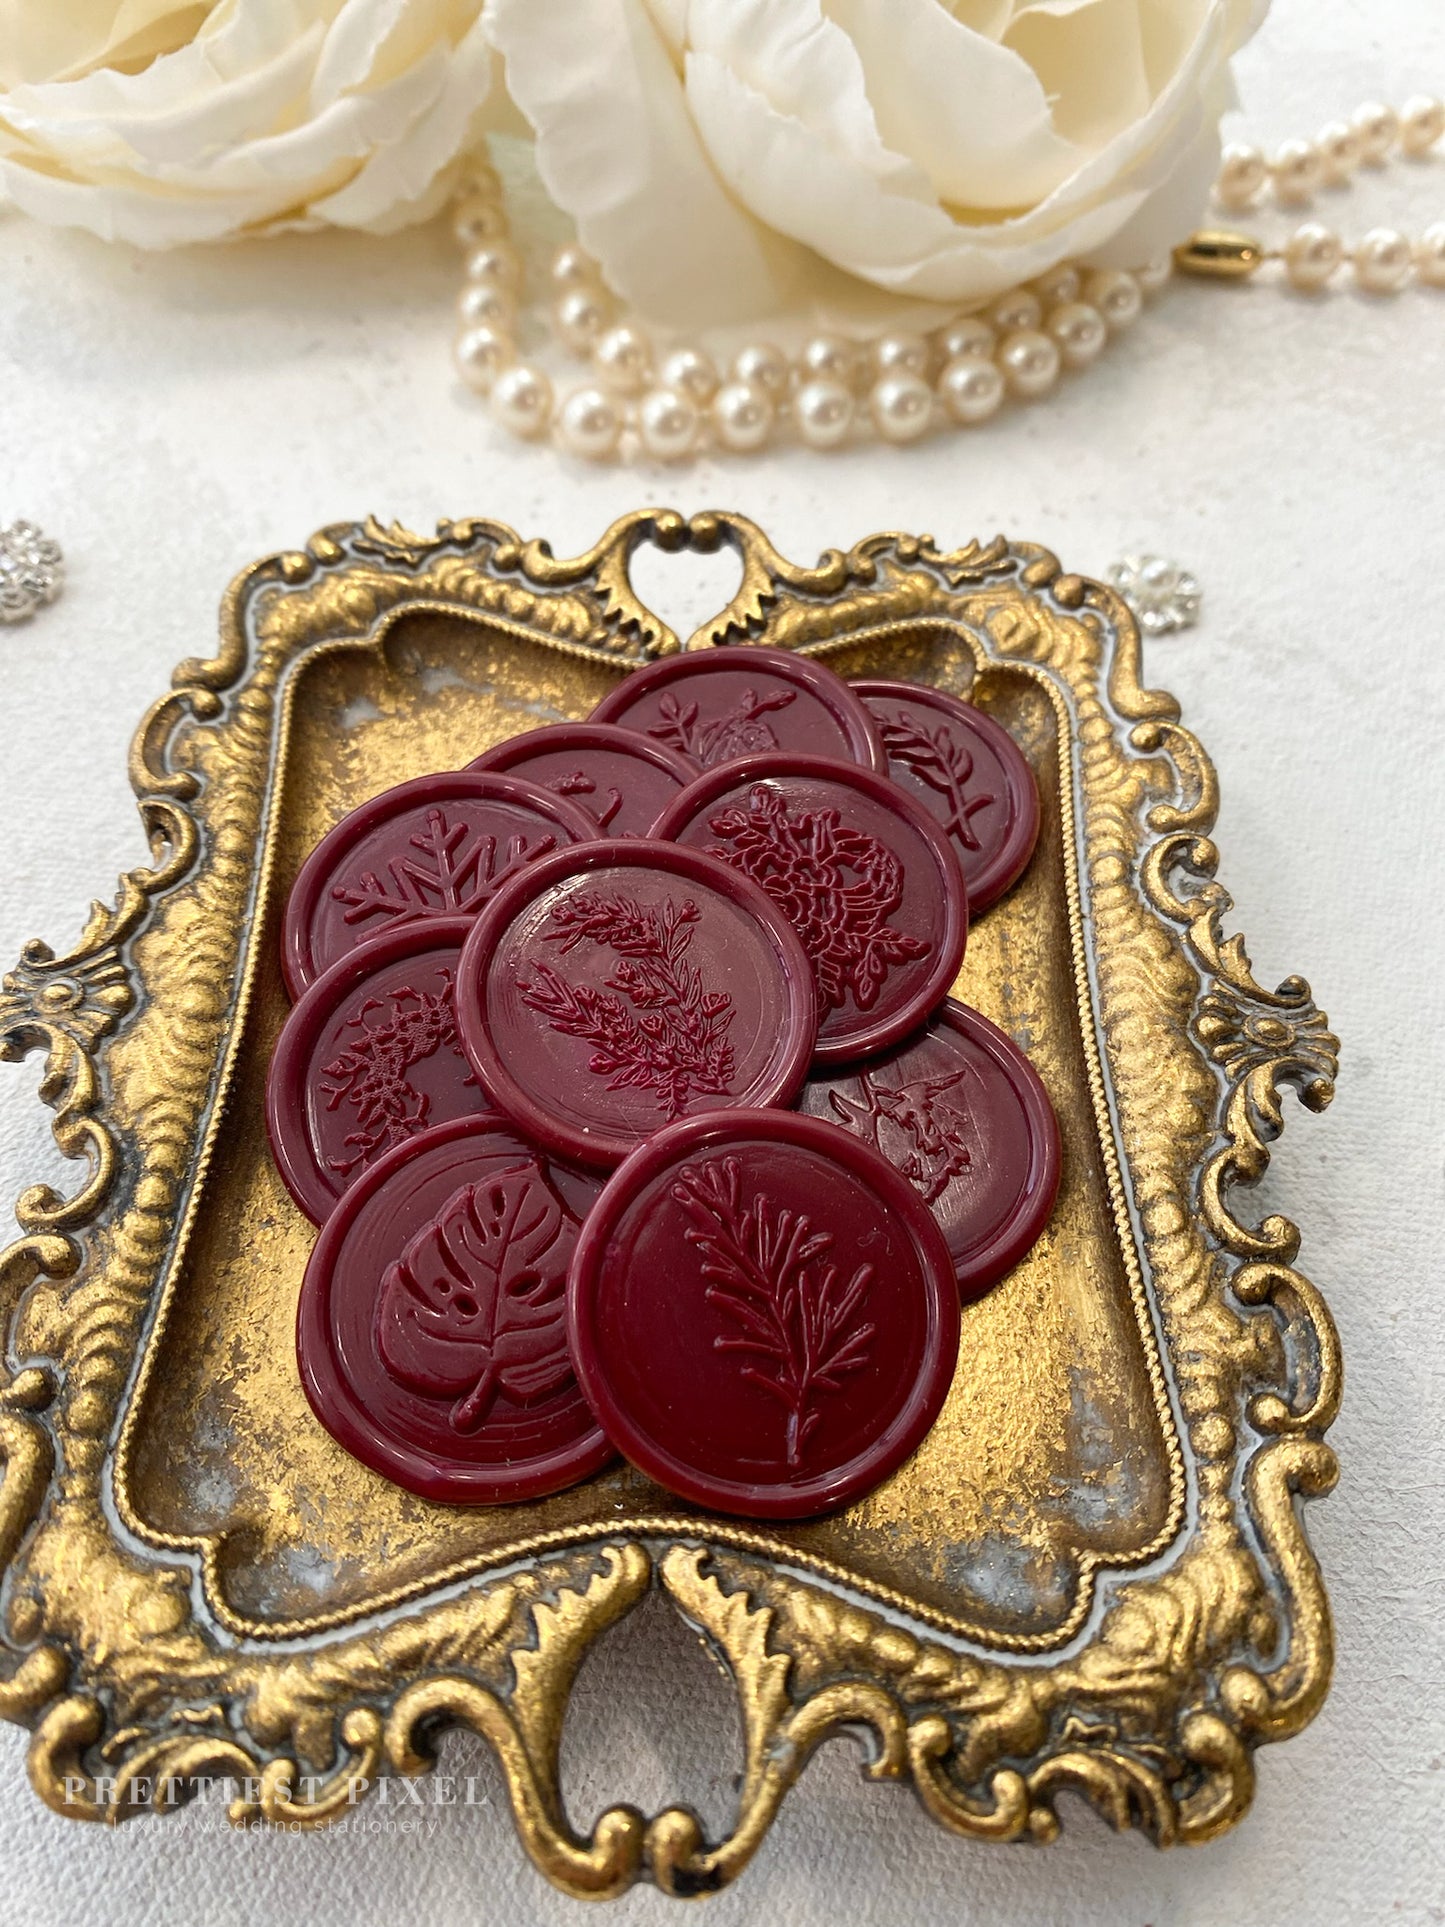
(1093, 1576)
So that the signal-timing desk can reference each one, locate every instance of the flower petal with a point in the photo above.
(617, 150)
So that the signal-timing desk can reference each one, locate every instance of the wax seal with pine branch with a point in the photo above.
(763, 1314)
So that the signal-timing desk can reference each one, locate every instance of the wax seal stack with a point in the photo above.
(624, 1084)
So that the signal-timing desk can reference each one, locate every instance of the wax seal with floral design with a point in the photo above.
(962, 1114)
(968, 772)
(370, 1057)
(861, 871)
(619, 986)
(622, 778)
(437, 846)
(431, 1329)
(762, 1314)
(713, 705)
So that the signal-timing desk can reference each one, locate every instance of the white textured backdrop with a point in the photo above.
(172, 418)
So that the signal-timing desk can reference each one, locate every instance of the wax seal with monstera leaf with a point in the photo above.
(431, 1332)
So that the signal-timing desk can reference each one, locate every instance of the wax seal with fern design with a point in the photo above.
(762, 1313)
(431, 1330)
(369, 1058)
(618, 986)
(714, 705)
(968, 772)
(860, 870)
(437, 846)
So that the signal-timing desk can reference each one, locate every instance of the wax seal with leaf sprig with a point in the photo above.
(762, 1313)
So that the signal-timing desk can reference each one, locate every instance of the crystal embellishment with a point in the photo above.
(31, 571)
(1161, 595)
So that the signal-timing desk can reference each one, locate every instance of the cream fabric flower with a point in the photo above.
(727, 159)
(163, 123)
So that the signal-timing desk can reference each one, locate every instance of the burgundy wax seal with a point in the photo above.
(716, 704)
(969, 772)
(617, 986)
(862, 873)
(960, 1112)
(431, 1330)
(762, 1314)
(369, 1057)
(437, 846)
(623, 780)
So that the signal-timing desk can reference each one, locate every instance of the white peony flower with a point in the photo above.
(162, 123)
(726, 159)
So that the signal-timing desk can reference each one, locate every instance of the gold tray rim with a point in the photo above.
(1153, 1716)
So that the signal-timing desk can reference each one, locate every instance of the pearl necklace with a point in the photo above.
(670, 401)
(1382, 260)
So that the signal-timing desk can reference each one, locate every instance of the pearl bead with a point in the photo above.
(1422, 122)
(1378, 128)
(1382, 261)
(1016, 309)
(495, 264)
(589, 423)
(761, 365)
(1311, 255)
(1030, 363)
(742, 416)
(667, 423)
(1430, 255)
(1296, 171)
(901, 354)
(972, 388)
(1242, 175)
(476, 219)
(522, 400)
(479, 306)
(573, 267)
(1078, 331)
(969, 335)
(830, 358)
(823, 411)
(1059, 285)
(1152, 276)
(1115, 294)
(481, 354)
(1339, 149)
(691, 373)
(623, 358)
(479, 179)
(579, 318)
(900, 406)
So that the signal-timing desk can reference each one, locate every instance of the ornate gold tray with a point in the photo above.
(1091, 1577)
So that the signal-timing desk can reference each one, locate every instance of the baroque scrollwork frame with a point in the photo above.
(1154, 1709)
